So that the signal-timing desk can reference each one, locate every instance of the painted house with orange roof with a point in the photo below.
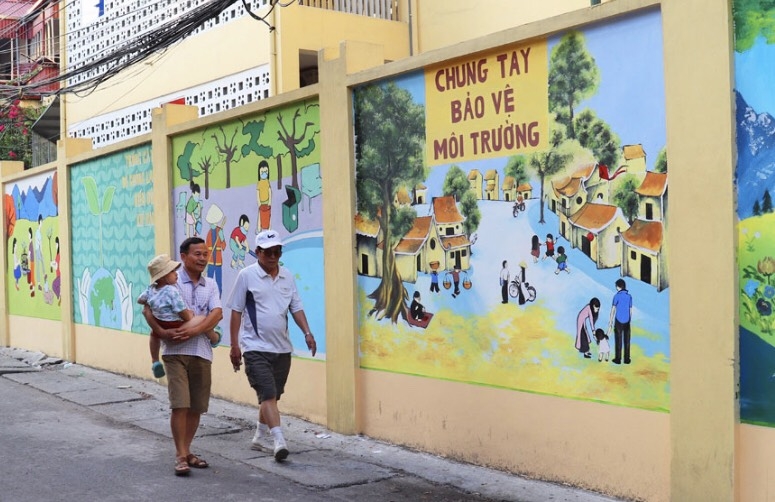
(526, 189)
(491, 188)
(509, 188)
(570, 193)
(652, 195)
(367, 236)
(449, 224)
(475, 182)
(644, 256)
(402, 198)
(420, 194)
(596, 230)
(420, 247)
(635, 159)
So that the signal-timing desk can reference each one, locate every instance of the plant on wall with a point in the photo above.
(95, 207)
(15, 124)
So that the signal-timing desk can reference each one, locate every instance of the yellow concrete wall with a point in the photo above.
(441, 23)
(237, 46)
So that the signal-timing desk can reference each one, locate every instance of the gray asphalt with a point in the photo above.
(75, 433)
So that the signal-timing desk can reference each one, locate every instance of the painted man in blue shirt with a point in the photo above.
(621, 315)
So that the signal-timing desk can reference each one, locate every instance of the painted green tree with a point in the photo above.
(753, 18)
(390, 135)
(186, 168)
(469, 208)
(625, 197)
(516, 167)
(660, 165)
(549, 162)
(228, 152)
(96, 207)
(298, 138)
(456, 183)
(254, 129)
(573, 77)
(596, 136)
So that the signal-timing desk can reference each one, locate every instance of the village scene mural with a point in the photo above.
(32, 267)
(511, 221)
(755, 106)
(233, 179)
(112, 238)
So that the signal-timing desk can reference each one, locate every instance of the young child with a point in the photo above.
(562, 261)
(167, 305)
(603, 348)
(535, 248)
(549, 246)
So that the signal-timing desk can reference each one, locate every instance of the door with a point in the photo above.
(365, 264)
(645, 269)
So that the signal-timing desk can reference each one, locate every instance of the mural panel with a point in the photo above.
(234, 179)
(113, 238)
(755, 104)
(511, 224)
(32, 227)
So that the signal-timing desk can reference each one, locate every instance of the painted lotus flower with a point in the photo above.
(766, 267)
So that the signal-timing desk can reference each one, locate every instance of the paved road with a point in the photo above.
(73, 433)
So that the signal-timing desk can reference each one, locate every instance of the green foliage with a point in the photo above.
(456, 183)
(401, 223)
(185, 167)
(254, 129)
(625, 197)
(15, 124)
(660, 165)
(516, 167)
(757, 210)
(766, 202)
(550, 162)
(752, 19)
(595, 135)
(469, 208)
(573, 77)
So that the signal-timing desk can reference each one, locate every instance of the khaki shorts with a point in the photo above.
(188, 382)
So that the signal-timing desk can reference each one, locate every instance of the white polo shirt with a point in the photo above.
(273, 299)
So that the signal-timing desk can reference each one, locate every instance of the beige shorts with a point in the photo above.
(188, 382)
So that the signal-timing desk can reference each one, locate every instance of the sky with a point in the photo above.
(758, 61)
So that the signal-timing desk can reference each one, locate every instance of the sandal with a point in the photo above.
(196, 462)
(181, 467)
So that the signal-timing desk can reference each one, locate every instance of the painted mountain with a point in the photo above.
(755, 156)
(35, 202)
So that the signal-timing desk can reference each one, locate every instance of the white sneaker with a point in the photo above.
(261, 441)
(280, 450)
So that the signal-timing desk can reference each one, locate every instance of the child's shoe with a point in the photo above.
(158, 369)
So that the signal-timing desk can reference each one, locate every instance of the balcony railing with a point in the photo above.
(382, 9)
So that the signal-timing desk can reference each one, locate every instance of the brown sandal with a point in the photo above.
(181, 467)
(196, 462)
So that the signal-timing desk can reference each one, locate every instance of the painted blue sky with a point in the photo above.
(757, 61)
(631, 95)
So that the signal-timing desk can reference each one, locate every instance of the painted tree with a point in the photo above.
(753, 18)
(456, 183)
(757, 209)
(298, 138)
(188, 171)
(390, 131)
(766, 202)
(625, 197)
(516, 167)
(573, 77)
(225, 137)
(596, 136)
(660, 165)
(549, 162)
(469, 208)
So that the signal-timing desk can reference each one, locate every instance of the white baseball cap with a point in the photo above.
(268, 239)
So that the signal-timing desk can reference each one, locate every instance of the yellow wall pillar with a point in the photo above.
(338, 163)
(7, 168)
(161, 120)
(703, 273)
(66, 149)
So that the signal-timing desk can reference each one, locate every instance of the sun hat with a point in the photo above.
(268, 239)
(161, 265)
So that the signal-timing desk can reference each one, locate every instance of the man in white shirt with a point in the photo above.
(263, 295)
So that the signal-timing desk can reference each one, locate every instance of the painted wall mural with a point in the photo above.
(511, 224)
(32, 266)
(113, 238)
(236, 178)
(755, 106)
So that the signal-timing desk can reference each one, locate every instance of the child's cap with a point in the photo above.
(161, 265)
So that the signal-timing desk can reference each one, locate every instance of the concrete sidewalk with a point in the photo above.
(320, 459)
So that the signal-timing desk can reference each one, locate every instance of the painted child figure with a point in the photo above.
(166, 303)
(603, 348)
(562, 261)
(416, 309)
(549, 246)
